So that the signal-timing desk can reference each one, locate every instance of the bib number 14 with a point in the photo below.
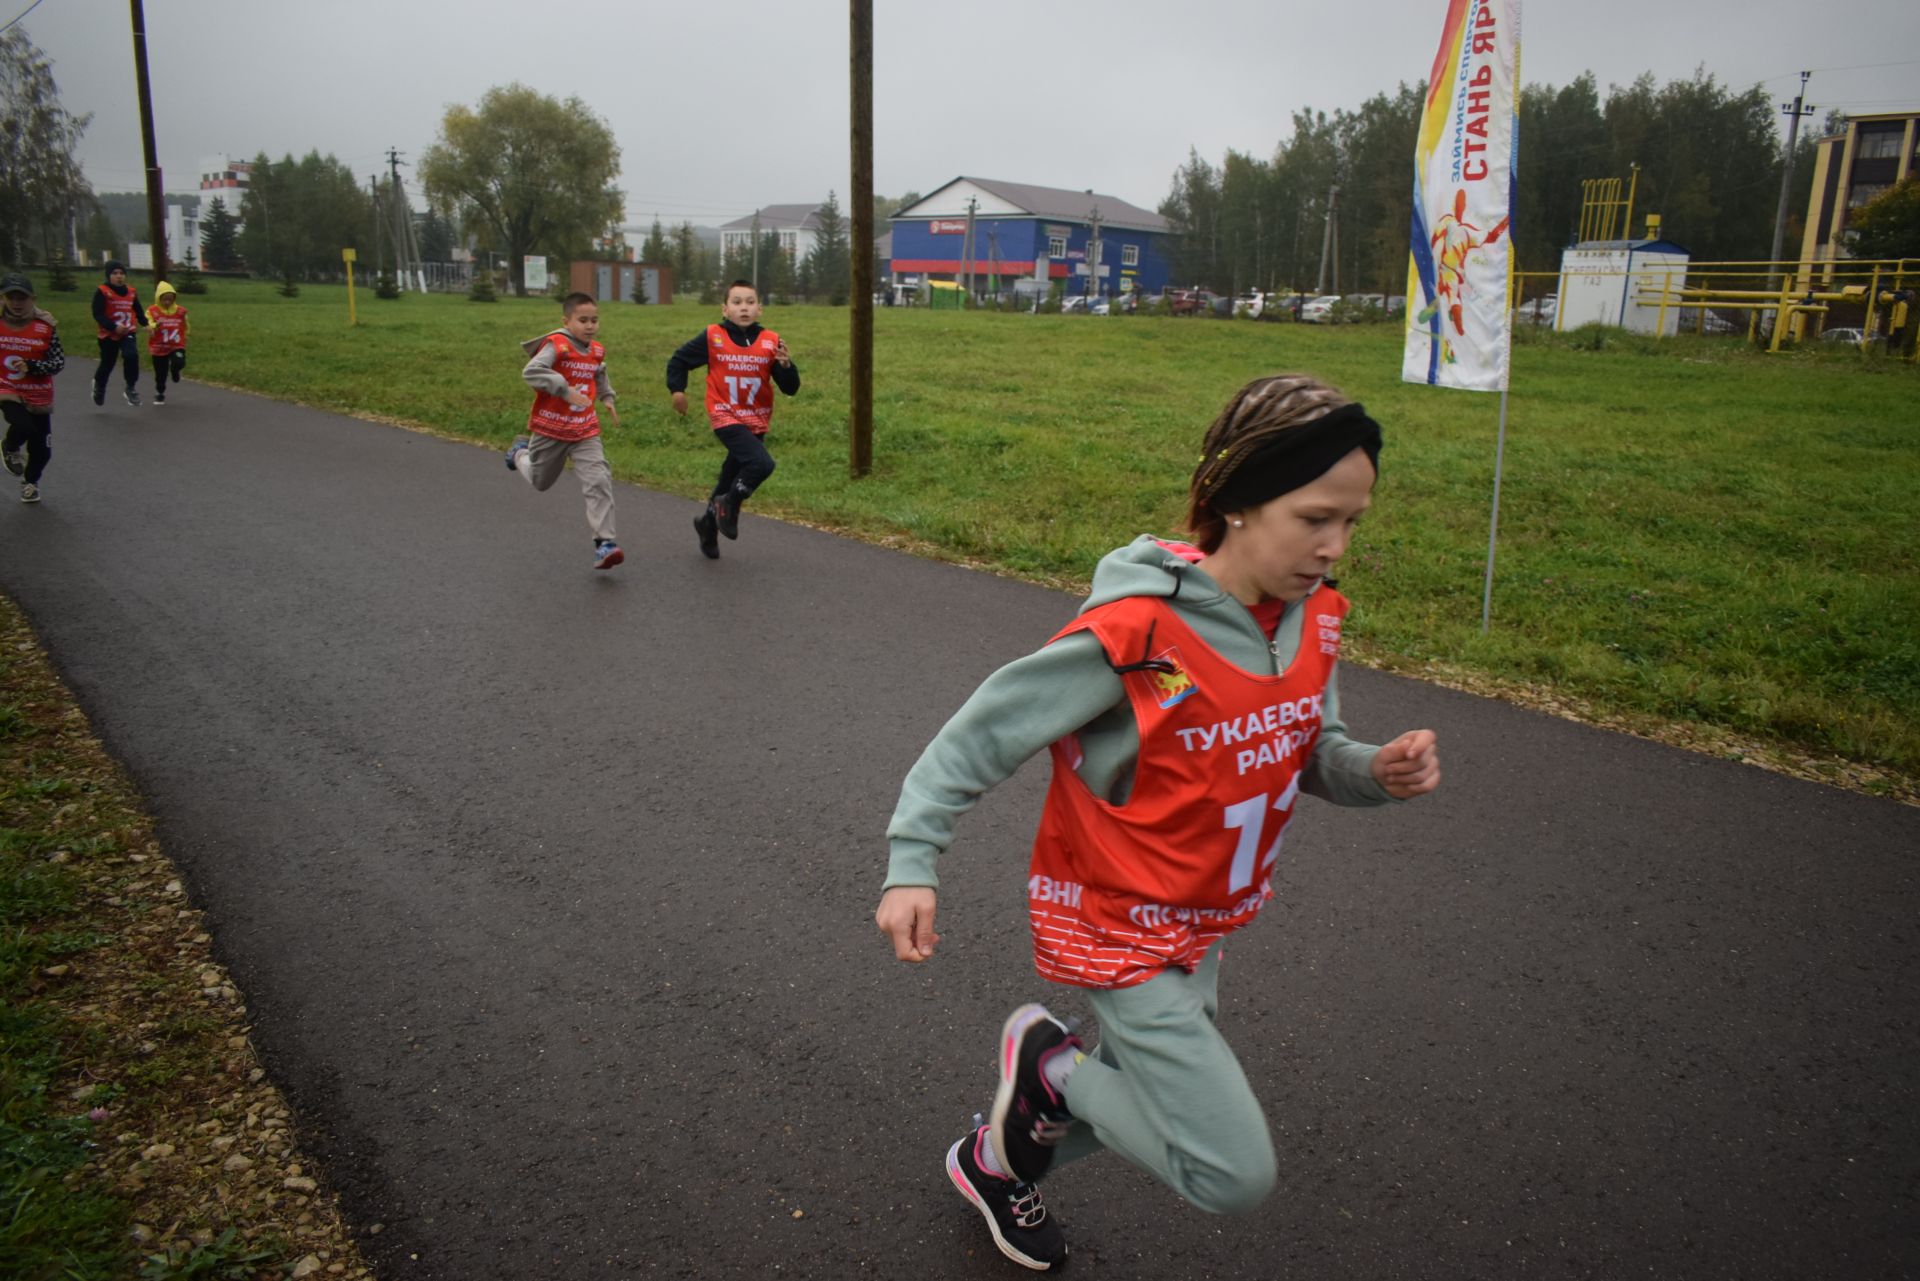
(1250, 818)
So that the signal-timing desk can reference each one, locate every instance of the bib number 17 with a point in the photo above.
(1250, 818)
(737, 385)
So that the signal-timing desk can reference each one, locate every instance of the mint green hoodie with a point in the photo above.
(1068, 686)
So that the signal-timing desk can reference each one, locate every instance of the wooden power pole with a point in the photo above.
(860, 361)
(156, 189)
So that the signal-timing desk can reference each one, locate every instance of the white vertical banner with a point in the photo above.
(536, 273)
(1459, 333)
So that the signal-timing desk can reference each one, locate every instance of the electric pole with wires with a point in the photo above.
(1794, 111)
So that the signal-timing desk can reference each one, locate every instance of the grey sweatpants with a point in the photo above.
(1164, 1090)
(544, 460)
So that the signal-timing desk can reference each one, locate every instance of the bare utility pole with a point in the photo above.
(1794, 112)
(379, 222)
(156, 188)
(756, 251)
(966, 247)
(1330, 242)
(1093, 252)
(860, 359)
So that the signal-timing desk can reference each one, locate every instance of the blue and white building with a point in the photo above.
(1089, 242)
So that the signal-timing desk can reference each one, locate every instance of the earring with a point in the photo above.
(1238, 523)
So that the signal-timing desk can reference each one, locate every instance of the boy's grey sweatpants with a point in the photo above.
(545, 458)
(1164, 1090)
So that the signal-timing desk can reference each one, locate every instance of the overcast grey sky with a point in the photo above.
(719, 108)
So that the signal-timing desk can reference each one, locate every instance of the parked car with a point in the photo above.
(1282, 306)
(1100, 307)
(1251, 304)
(1537, 311)
(1319, 311)
(1074, 302)
(1184, 302)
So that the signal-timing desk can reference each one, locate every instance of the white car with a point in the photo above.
(1319, 311)
(1537, 311)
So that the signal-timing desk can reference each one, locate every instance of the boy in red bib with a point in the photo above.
(116, 314)
(167, 344)
(567, 370)
(1186, 709)
(30, 355)
(744, 364)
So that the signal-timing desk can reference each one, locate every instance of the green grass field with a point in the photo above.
(1691, 533)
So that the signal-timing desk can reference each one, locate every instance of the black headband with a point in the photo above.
(1288, 459)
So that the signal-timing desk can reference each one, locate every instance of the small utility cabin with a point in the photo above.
(1618, 283)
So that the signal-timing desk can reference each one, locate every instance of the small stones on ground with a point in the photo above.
(299, 1183)
(157, 1152)
(307, 1266)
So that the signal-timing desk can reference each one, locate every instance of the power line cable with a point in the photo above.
(23, 13)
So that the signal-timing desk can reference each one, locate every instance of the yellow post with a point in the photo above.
(1626, 232)
(1660, 325)
(1781, 316)
(347, 256)
(1873, 296)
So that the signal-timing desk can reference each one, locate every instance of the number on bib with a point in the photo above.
(1250, 817)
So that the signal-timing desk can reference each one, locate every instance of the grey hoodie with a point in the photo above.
(1068, 687)
(542, 376)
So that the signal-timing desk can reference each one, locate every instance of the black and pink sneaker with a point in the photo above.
(1014, 1212)
(1029, 1116)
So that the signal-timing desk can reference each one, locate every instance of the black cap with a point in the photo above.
(15, 283)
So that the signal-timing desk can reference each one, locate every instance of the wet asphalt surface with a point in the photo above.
(551, 893)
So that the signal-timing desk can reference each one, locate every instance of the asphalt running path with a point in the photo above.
(551, 895)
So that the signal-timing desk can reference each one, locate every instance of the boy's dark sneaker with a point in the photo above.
(159, 397)
(517, 448)
(16, 462)
(29, 492)
(708, 528)
(1014, 1212)
(1029, 1115)
(607, 553)
(726, 513)
(133, 398)
(99, 394)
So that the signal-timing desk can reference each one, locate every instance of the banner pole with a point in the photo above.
(1493, 531)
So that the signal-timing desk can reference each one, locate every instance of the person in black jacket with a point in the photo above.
(744, 364)
(117, 313)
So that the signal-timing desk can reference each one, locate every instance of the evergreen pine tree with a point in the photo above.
(60, 272)
(436, 238)
(639, 294)
(828, 262)
(219, 239)
(187, 278)
(482, 288)
(656, 249)
(288, 287)
(385, 286)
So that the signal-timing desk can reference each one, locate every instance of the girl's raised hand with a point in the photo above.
(905, 916)
(1409, 765)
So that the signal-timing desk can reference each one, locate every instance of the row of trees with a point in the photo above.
(1709, 157)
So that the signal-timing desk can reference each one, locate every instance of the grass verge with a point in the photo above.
(139, 1136)
(1698, 542)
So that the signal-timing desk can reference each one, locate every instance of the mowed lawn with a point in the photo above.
(1691, 533)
